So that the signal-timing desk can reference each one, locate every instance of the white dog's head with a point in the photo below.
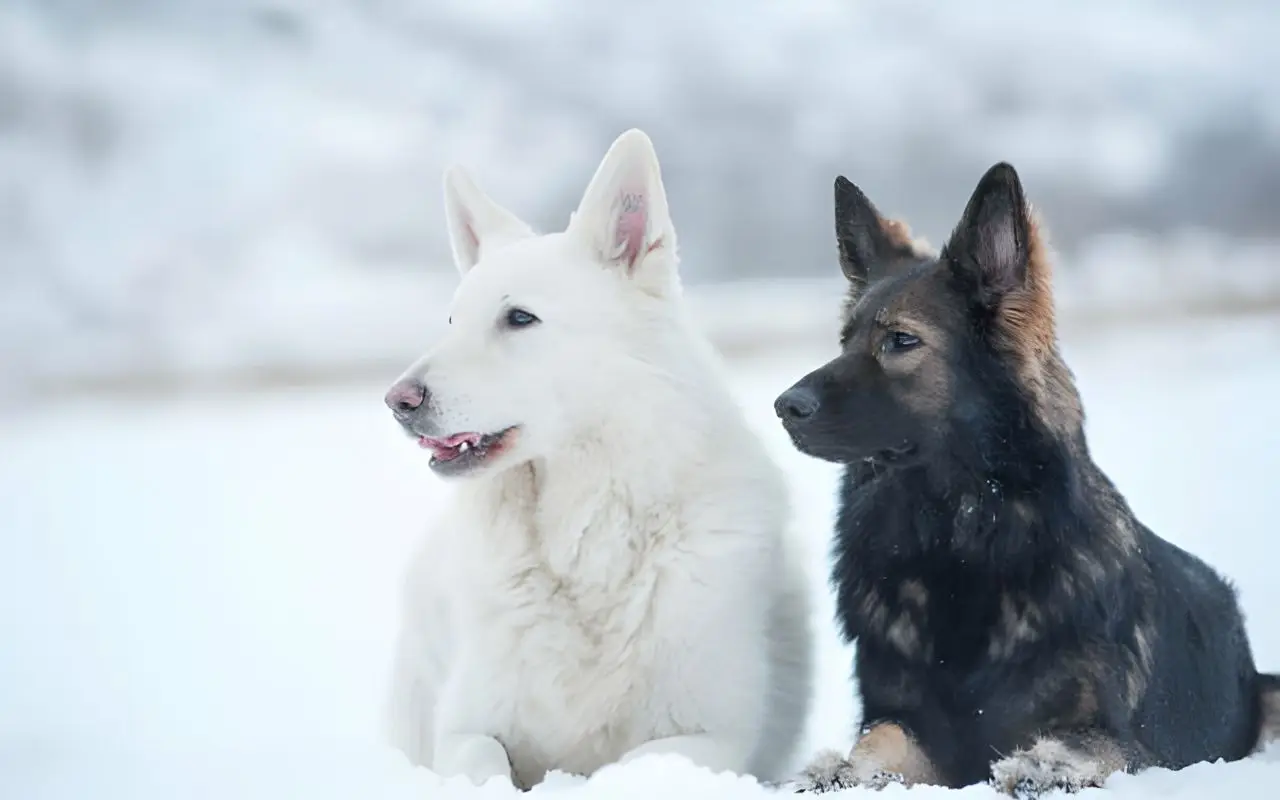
(545, 332)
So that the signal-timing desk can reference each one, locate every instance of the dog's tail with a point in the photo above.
(1269, 705)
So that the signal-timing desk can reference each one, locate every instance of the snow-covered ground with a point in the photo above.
(197, 592)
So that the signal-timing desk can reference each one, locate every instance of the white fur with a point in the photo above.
(618, 582)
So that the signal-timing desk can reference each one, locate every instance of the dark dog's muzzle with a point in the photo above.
(797, 404)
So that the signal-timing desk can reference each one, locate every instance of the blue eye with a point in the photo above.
(519, 318)
(901, 340)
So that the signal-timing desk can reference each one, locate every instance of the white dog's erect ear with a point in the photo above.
(623, 213)
(475, 221)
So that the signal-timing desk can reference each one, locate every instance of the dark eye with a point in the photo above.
(901, 340)
(519, 318)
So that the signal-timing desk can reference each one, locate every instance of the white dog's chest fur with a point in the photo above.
(566, 629)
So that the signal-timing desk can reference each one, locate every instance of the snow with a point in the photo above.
(197, 590)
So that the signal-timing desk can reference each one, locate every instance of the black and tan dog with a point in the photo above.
(1015, 623)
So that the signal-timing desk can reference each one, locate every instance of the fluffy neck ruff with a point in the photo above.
(614, 489)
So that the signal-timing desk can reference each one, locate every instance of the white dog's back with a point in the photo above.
(613, 579)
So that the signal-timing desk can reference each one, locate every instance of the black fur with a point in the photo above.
(998, 586)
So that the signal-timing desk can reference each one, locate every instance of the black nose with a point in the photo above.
(406, 397)
(796, 403)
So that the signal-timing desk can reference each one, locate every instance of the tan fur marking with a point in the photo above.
(892, 750)
(1123, 536)
(1068, 583)
(1020, 622)
(1086, 701)
(933, 395)
(873, 608)
(1028, 311)
(904, 322)
(1023, 510)
(1090, 567)
(1080, 672)
(1029, 334)
(1140, 666)
(913, 592)
(903, 634)
(899, 233)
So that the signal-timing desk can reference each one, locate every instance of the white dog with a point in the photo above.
(611, 578)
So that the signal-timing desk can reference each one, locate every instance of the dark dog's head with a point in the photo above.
(938, 351)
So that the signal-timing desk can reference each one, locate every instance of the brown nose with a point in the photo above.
(406, 396)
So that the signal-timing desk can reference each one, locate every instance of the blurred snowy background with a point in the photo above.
(221, 238)
(249, 189)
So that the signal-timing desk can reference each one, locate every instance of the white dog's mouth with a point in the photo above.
(463, 452)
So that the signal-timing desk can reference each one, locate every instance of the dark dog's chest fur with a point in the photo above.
(976, 577)
(987, 612)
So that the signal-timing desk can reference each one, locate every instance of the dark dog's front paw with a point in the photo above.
(827, 773)
(832, 772)
(1045, 766)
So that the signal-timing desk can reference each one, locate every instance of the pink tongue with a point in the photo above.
(447, 449)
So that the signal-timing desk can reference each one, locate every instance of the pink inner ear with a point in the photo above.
(473, 241)
(632, 222)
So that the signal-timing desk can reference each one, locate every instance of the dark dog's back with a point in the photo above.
(1201, 702)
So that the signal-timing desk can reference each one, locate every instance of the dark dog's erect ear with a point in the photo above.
(860, 234)
(992, 243)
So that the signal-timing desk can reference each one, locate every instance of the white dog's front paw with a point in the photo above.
(479, 759)
(831, 772)
(481, 774)
(1045, 766)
